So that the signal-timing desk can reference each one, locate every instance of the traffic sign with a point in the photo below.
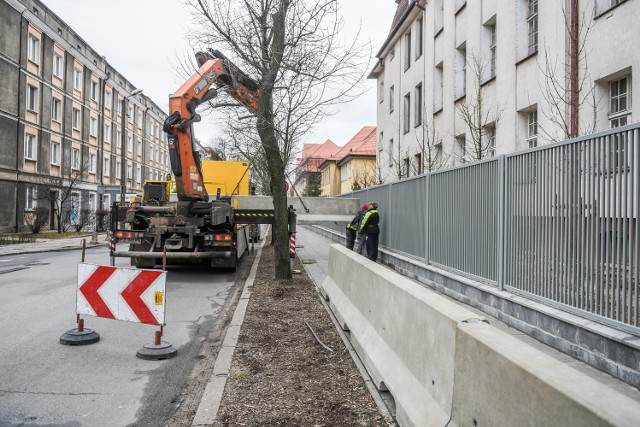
(129, 294)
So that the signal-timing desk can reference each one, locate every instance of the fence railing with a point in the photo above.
(557, 223)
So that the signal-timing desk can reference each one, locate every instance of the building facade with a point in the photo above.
(352, 167)
(461, 80)
(62, 125)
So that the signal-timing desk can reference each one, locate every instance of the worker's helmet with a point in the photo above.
(364, 207)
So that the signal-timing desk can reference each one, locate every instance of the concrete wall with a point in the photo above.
(444, 365)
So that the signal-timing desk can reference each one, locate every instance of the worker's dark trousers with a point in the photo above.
(351, 238)
(372, 246)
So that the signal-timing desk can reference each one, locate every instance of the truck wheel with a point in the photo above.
(234, 261)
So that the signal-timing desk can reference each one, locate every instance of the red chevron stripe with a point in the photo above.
(132, 293)
(90, 291)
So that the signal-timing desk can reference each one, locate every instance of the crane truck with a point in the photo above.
(195, 228)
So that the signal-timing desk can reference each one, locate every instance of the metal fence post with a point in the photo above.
(426, 218)
(500, 255)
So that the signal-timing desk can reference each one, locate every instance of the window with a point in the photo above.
(119, 107)
(32, 98)
(619, 101)
(107, 132)
(492, 50)
(92, 202)
(418, 105)
(29, 198)
(532, 25)
(129, 171)
(405, 167)
(93, 127)
(407, 50)
(130, 114)
(419, 36)
(57, 65)
(55, 109)
(33, 49)
(419, 165)
(461, 72)
(381, 92)
(76, 119)
(391, 152)
(391, 95)
(118, 169)
(406, 117)
(491, 137)
(438, 15)
(532, 128)
(30, 146)
(107, 100)
(77, 79)
(345, 172)
(55, 153)
(138, 175)
(139, 119)
(438, 87)
(139, 148)
(118, 137)
(130, 143)
(92, 163)
(461, 149)
(105, 169)
(94, 90)
(75, 159)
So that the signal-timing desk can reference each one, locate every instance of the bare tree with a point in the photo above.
(566, 87)
(480, 118)
(430, 141)
(363, 177)
(292, 49)
(59, 190)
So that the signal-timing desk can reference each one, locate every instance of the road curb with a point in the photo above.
(40, 251)
(212, 397)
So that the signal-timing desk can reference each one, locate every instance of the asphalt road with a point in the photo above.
(45, 383)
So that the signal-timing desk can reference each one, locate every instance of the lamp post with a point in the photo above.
(123, 145)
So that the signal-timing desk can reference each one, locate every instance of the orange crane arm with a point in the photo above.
(185, 161)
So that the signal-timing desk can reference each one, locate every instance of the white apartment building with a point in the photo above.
(462, 80)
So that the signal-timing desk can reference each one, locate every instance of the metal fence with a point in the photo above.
(558, 223)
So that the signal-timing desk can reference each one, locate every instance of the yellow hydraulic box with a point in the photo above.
(225, 177)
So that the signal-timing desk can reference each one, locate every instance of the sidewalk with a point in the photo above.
(52, 245)
(313, 250)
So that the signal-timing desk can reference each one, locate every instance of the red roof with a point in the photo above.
(363, 143)
(314, 154)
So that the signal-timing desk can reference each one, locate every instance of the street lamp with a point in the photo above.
(123, 157)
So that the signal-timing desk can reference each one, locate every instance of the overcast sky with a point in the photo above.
(141, 38)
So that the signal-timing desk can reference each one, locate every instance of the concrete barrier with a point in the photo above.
(445, 366)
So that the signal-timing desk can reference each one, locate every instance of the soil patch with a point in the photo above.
(280, 374)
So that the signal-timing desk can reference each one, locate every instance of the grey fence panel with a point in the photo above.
(407, 217)
(571, 228)
(558, 223)
(463, 219)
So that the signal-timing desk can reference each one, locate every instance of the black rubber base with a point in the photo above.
(157, 352)
(75, 337)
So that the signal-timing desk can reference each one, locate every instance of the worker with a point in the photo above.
(352, 227)
(172, 184)
(369, 226)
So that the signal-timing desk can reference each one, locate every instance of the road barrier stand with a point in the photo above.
(159, 349)
(80, 335)
(127, 294)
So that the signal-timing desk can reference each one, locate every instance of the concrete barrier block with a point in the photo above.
(502, 381)
(404, 334)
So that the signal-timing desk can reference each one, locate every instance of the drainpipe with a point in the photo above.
(573, 68)
(18, 118)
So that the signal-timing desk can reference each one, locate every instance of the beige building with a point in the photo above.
(352, 167)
